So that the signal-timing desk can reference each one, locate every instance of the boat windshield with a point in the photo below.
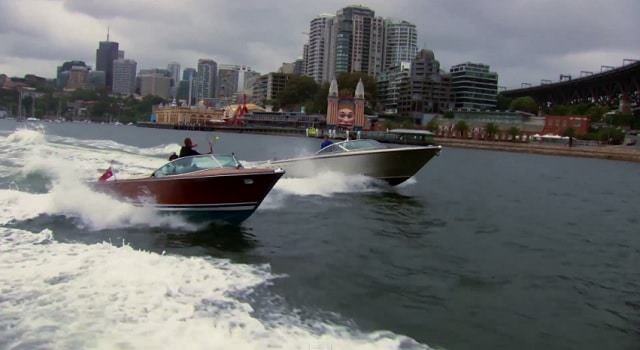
(186, 165)
(362, 144)
(352, 145)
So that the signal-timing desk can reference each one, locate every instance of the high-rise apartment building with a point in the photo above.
(160, 72)
(315, 55)
(351, 41)
(62, 72)
(268, 86)
(206, 79)
(154, 84)
(78, 77)
(305, 58)
(474, 86)
(187, 73)
(355, 40)
(298, 66)
(249, 80)
(401, 42)
(124, 76)
(428, 89)
(174, 70)
(390, 84)
(96, 79)
(228, 77)
(106, 54)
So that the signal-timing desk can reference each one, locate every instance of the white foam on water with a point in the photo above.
(325, 184)
(410, 181)
(57, 295)
(70, 168)
(65, 295)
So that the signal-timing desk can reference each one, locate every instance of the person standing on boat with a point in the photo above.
(188, 149)
(326, 142)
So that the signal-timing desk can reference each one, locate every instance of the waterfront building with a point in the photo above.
(390, 84)
(266, 87)
(401, 42)
(124, 76)
(428, 89)
(200, 114)
(558, 124)
(295, 120)
(474, 86)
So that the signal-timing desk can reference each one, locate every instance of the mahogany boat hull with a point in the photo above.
(222, 195)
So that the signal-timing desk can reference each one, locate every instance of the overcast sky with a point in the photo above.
(522, 40)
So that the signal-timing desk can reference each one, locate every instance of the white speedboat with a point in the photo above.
(391, 163)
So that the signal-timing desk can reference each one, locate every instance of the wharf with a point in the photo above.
(225, 128)
(385, 137)
(623, 153)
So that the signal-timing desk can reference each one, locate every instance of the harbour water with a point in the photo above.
(480, 250)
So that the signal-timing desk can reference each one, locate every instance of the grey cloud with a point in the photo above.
(522, 40)
(140, 10)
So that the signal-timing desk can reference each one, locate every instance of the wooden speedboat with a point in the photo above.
(208, 187)
(393, 164)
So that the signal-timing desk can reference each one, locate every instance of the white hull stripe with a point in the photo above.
(207, 207)
(211, 209)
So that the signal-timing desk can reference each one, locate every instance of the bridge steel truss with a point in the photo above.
(602, 88)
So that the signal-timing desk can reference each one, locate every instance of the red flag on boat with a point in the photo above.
(107, 174)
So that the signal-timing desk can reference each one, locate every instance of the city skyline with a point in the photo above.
(524, 41)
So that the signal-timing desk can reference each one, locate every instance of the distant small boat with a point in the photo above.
(393, 164)
(203, 188)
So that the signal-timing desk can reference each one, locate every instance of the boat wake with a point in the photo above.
(58, 294)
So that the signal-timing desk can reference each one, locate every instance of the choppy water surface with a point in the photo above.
(481, 250)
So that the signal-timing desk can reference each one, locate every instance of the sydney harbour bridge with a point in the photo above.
(609, 86)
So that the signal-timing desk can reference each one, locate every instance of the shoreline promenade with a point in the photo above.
(617, 152)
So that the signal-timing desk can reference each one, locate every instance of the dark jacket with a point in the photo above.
(188, 151)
